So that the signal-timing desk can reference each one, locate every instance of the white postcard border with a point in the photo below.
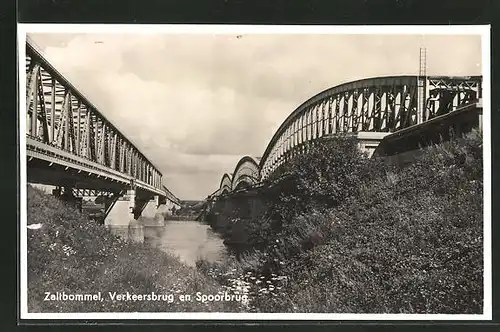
(483, 30)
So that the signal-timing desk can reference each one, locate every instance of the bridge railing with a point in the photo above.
(59, 117)
(382, 104)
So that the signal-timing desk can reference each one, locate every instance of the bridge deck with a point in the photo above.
(68, 138)
(395, 106)
(438, 129)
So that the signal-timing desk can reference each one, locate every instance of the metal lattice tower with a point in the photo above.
(422, 77)
(423, 64)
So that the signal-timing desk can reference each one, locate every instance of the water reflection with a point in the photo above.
(190, 240)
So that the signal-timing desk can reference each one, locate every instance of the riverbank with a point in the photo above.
(72, 256)
(356, 235)
(346, 234)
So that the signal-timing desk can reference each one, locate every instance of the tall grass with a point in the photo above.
(72, 254)
(353, 234)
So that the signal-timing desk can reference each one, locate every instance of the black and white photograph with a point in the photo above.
(255, 172)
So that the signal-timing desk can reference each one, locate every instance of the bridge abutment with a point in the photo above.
(369, 141)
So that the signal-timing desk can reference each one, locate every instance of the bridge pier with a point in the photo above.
(122, 217)
(129, 213)
(153, 210)
(167, 207)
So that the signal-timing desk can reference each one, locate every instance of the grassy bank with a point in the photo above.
(342, 233)
(351, 234)
(73, 255)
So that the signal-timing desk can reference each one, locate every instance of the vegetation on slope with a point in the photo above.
(74, 255)
(351, 234)
(342, 233)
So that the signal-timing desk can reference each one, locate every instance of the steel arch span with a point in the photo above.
(375, 106)
(246, 173)
(225, 185)
(380, 104)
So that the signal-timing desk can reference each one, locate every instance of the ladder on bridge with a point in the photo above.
(421, 80)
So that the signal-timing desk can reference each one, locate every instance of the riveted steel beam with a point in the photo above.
(74, 125)
(380, 104)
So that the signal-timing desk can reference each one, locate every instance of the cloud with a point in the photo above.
(194, 104)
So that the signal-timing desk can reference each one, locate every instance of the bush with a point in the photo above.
(320, 179)
(72, 254)
(357, 235)
(323, 177)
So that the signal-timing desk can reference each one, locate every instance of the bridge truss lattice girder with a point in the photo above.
(59, 116)
(385, 104)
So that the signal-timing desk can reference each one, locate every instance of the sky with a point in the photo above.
(195, 104)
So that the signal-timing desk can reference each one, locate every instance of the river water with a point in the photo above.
(189, 240)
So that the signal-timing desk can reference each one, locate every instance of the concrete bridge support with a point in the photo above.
(122, 217)
(165, 208)
(131, 212)
(248, 205)
(126, 212)
(154, 210)
(368, 141)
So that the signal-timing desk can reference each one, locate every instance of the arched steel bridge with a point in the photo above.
(69, 142)
(376, 105)
(246, 173)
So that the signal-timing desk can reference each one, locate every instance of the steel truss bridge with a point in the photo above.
(374, 105)
(70, 143)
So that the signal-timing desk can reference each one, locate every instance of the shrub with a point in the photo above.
(357, 235)
(320, 179)
(72, 254)
(323, 177)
